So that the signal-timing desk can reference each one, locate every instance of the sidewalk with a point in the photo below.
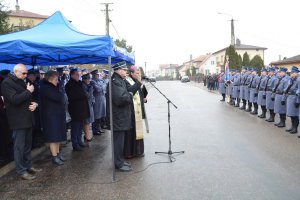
(201, 85)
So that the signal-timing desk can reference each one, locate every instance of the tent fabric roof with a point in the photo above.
(56, 41)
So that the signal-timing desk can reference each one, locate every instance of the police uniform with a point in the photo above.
(269, 93)
(253, 91)
(280, 101)
(100, 101)
(292, 104)
(261, 98)
(222, 88)
(247, 91)
(236, 82)
(243, 88)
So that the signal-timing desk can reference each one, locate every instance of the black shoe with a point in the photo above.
(124, 169)
(61, 157)
(83, 145)
(242, 108)
(288, 130)
(293, 131)
(127, 164)
(27, 176)
(57, 161)
(281, 125)
(222, 100)
(33, 170)
(78, 148)
(88, 140)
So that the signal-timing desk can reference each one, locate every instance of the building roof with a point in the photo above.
(291, 60)
(243, 47)
(204, 59)
(26, 14)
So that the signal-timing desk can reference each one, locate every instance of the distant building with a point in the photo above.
(168, 70)
(287, 62)
(21, 19)
(153, 73)
(204, 64)
(240, 49)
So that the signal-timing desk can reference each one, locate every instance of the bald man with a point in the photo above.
(19, 108)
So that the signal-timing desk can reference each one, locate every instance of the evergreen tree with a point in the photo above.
(4, 24)
(233, 58)
(123, 44)
(193, 71)
(246, 59)
(257, 62)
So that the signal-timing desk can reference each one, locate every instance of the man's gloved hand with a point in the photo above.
(255, 95)
(264, 96)
(283, 103)
(297, 105)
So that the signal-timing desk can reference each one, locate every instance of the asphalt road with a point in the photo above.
(229, 154)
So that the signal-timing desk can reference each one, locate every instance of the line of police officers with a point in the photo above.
(272, 90)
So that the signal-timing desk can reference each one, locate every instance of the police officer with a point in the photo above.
(280, 104)
(222, 88)
(236, 82)
(247, 89)
(261, 98)
(269, 87)
(100, 101)
(243, 78)
(292, 106)
(255, 79)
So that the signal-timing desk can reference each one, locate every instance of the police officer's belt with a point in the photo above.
(279, 92)
(292, 93)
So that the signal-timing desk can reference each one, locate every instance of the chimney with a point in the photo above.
(238, 42)
(17, 5)
(279, 57)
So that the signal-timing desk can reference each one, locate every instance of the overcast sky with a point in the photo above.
(168, 31)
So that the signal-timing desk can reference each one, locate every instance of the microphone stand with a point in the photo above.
(169, 152)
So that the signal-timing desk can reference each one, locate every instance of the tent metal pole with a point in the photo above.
(111, 123)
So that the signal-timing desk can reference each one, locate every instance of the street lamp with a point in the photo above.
(232, 27)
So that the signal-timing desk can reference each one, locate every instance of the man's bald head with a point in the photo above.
(20, 71)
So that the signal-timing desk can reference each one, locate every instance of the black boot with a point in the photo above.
(237, 103)
(292, 126)
(223, 99)
(282, 121)
(295, 125)
(244, 105)
(272, 116)
(249, 109)
(254, 112)
(264, 111)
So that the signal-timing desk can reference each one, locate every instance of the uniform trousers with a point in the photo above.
(119, 148)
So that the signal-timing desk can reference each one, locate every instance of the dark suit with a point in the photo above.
(122, 122)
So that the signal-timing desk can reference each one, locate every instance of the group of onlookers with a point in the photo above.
(43, 104)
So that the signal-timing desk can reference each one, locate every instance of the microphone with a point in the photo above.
(145, 78)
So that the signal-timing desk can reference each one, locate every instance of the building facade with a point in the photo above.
(21, 19)
(287, 62)
(240, 49)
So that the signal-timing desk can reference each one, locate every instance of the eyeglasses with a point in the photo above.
(24, 73)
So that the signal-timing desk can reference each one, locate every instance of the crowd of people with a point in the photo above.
(275, 90)
(37, 107)
(211, 81)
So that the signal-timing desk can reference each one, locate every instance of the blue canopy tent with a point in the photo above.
(56, 42)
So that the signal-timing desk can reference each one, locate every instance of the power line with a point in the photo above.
(116, 31)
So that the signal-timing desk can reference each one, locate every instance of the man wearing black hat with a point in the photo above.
(121, 111)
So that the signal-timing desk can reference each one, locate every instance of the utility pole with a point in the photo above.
(145, 68)
(232, 42)
(107, 20)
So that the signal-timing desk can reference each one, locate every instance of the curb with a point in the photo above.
(11, 166)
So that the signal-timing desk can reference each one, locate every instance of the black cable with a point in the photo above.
(172, 159)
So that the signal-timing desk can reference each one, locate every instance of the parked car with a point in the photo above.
(152, 79)
(185, 79)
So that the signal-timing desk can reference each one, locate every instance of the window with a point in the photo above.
(212, 62)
